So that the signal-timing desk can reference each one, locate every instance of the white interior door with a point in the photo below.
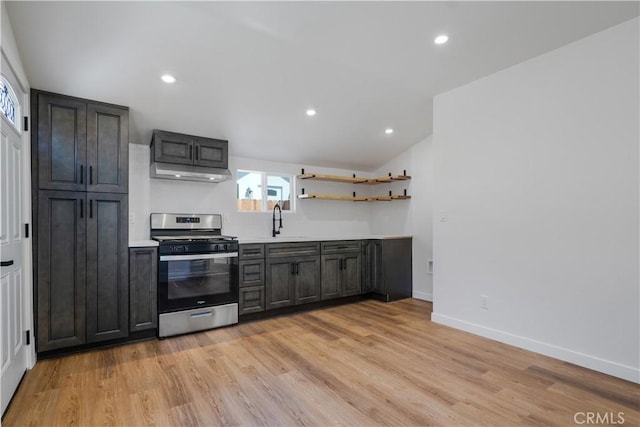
(13, 351)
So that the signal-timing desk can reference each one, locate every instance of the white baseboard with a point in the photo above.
(628, 373)
(427, 296)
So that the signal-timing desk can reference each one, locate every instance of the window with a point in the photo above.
(260, 191)
(9, 103)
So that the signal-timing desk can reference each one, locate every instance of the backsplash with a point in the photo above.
(312, 217)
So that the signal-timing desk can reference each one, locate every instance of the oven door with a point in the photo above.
(197, 280)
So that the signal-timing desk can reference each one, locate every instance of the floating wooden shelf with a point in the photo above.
(389, 198)
(352, 198)
(332, 197)
(387, 179)
(354, 180)
(333, 178)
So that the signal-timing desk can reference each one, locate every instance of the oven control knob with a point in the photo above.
(223, 248)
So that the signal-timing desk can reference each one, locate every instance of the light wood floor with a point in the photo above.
(367, 363)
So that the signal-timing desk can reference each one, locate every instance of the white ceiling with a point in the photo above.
(247, 71)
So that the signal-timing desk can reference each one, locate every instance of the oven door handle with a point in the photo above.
(197, 256)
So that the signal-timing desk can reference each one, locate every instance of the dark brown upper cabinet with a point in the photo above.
(81, 145)
(177, 148)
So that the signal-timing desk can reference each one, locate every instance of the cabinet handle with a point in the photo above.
(297, 269)
(293, 268)
(190, 152)
(6, 263)
(90, 175)
(90, 208)
(81, 208)
(81, 174)
(196, 152)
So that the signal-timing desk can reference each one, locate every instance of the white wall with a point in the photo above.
(10, 49)
(537, 169)
(412, 216)
(312, 217)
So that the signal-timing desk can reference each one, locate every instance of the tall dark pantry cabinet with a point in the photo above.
(80, 208)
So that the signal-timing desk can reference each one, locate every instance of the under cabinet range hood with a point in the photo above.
(189, 158)
(189, 172)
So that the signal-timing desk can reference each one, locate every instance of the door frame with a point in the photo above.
(23, 87)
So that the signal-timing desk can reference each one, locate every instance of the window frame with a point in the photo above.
(13, 98)
(264, 188)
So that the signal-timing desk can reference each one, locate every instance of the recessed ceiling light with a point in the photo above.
(212, 178)
(388, 131)
(178, 176)
(441, 39)
(311, 112)
(168, 78)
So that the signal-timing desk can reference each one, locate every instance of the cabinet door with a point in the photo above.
(307, 280)
(351, 269)
(331, 276)
(211, 152)
(107, 148)
(279, 286)
(61, 269)
(61, 142)
(396, 270)
(143, 289)
(366, 265)
(377, 278)
(107, 267)
(251, 300)
(171, 147)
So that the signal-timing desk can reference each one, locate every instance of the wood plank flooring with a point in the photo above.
(367, 363)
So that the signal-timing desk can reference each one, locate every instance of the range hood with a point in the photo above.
(189, 172)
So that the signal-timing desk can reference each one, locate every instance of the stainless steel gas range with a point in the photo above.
(198, 273)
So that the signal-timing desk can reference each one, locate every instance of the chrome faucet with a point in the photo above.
(274, 220)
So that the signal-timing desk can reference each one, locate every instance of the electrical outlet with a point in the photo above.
(484, 302)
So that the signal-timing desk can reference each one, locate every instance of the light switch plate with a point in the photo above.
(444, 216)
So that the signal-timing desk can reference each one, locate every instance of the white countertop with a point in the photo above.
(289, 239)
(284, 239)
(142, 243)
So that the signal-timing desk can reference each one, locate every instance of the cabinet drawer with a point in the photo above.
(251, 251)
(251, 300)
(340, 246)
(275, 250)
(251, 273)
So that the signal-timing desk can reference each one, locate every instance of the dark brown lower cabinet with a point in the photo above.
(252, 279)
(372, 266)
(341, 275)
(307, 279)
(82, 279)
(387, 268)
(292, 281)
(143, 288)
(251, 300)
